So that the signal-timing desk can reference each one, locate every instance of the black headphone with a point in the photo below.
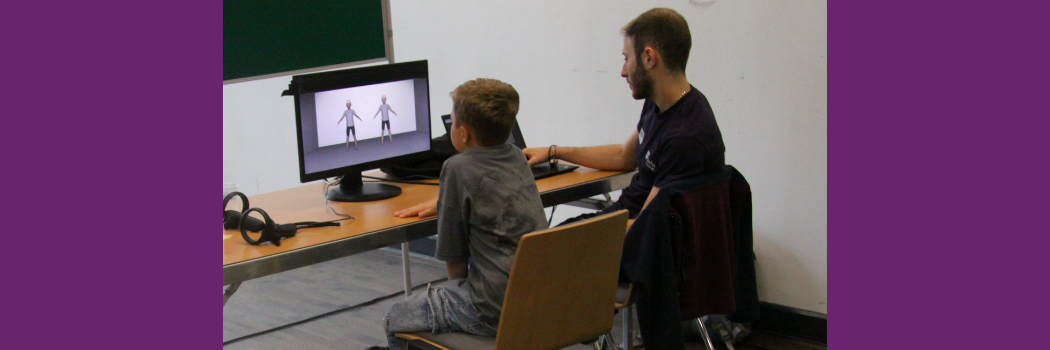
(274, 233)
(231, 219)
(271, 231)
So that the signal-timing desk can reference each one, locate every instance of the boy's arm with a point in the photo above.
(422, 210)
(430, 208)
(453, 232)
(377, 113)
(340, 120)
(358, 117)
(392, 111)
(456, 269)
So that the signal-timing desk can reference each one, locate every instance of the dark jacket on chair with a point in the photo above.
(691, 254)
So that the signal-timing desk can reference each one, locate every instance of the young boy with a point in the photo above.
(488, 199)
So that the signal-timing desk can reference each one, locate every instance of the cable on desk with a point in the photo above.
(549, 222)
(330, 313)
(337, 181)
(330, 184)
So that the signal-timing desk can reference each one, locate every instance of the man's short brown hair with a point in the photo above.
(488, 107)
(666, 31)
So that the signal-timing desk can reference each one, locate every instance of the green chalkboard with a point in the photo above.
(262, 38)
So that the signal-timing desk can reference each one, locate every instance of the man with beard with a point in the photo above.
(677, 136)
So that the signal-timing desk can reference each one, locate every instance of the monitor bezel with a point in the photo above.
(354, 77)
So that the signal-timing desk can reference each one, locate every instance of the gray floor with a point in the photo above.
(281, 299)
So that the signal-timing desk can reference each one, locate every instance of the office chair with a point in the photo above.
(695, 241)
(722, 282)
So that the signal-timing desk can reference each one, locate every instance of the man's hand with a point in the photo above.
(536, 155)
(422, 210)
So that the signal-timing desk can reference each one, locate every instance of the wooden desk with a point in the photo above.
(375, 225)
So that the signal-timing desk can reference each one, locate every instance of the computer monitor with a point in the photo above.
(388, 108)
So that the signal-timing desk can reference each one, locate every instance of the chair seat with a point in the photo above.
(454, 340)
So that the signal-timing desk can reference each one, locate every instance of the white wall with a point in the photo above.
(762, 64)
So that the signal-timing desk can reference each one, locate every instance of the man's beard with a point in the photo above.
(642, 83)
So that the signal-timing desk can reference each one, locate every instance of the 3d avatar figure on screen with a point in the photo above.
(349, 116)
(385, 108)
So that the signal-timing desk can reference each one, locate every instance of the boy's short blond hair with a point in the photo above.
(488, 107)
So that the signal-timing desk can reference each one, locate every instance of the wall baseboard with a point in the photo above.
(792, 322)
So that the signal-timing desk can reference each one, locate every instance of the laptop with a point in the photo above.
(539, 171)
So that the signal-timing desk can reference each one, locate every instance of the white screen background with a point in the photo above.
(366, 101)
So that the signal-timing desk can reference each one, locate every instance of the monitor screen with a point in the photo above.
(360, 119)
(515, 132)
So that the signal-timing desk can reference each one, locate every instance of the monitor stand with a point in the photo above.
(352, 189)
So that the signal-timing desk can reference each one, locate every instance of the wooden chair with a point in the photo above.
(561, 292)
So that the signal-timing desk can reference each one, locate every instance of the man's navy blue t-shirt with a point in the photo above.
(680, 143)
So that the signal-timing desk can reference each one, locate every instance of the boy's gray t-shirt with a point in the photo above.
(488, 200)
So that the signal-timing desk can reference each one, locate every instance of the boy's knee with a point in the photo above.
(410, 315)
(396, 312)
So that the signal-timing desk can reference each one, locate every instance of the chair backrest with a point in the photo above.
(562, 287)
(704, 252)
(714, 255)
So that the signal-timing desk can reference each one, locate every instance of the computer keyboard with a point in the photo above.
(544, 170)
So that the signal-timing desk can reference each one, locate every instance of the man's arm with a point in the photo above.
(392, 111)
(609, 157)
(652, 194)
(377, 113)
(340, 120)
(358, 117)
(678, 156)
(456, 269)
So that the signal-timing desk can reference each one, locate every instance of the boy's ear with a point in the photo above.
(465, 133)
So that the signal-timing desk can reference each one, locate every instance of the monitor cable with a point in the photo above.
(328, 185)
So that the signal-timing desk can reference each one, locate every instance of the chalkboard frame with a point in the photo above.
(388, 43)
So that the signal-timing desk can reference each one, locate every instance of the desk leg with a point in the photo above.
(229, 293)
(408, 273)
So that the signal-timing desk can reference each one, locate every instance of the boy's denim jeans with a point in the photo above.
(440, 309)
